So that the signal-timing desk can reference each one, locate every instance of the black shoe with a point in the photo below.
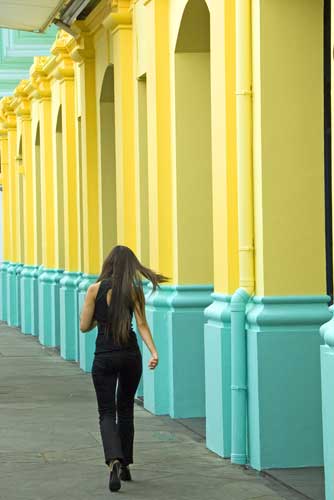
(114, 481)
(125, 474)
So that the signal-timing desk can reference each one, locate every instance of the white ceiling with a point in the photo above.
(28, 15)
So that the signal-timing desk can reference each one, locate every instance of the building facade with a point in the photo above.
(193, 132)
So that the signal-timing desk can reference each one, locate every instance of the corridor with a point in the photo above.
(50, 444)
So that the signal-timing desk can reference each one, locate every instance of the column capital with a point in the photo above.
(61, 66)
(7, 113)
(39, 78)
(82, 49)
(21, 102)
(120, 16)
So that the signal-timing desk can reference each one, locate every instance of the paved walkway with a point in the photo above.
(50, 447)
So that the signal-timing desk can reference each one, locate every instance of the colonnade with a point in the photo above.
(192, 132)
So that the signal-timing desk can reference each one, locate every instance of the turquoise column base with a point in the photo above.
(36, 271)
(156, 382)
(86, 340)
(327, 377)
(12, 304)
(217, 355)
(49, 314)
(186, 350)
(27, 299)
(284, 388)
(69, 316)
(3, 289)
(19, 268)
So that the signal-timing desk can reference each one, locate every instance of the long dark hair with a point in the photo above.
(125, 272)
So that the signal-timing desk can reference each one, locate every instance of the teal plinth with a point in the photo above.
(186, 350)
(86, 340)
(35, 273)
(217, 355)
(27, 299)
(19, 268)
(284, 388)
(12, 305)
(69, 315)
(49, 314)
(55, 305)
(156, 382)
(3, 290)
(327, 377)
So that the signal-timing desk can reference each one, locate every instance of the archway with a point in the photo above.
(108, 205)
(193, 146)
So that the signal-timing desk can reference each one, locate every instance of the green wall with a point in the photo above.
(17, 49)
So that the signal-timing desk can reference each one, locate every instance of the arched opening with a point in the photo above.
(193, 146)
(60, 190)
(143, 212)
(108, 205)
(38, 197)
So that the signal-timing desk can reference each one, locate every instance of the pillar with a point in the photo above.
(83, 53)
(159, 173)
(5, 217)
(217, 331)
(290, 302)
(69, 334)
(12, 297)
(27, 296)
(48, 314)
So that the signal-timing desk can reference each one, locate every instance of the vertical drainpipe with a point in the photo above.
(246, 230)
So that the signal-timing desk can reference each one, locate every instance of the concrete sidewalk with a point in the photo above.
(51, 450)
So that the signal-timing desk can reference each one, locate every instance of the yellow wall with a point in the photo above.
(138, 144)
(288, 147)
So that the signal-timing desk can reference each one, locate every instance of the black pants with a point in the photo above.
(122, 369)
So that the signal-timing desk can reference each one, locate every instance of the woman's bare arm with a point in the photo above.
(86, 318)
(146, 335)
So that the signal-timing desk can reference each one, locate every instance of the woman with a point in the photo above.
(110, 304)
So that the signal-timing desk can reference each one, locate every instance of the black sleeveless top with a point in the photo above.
(106, 343)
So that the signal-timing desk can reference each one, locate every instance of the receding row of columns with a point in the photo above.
(129, 135)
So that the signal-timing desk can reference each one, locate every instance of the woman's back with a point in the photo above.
(105, 342)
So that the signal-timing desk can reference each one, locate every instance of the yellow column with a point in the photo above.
(159, 136)
(64, 72)
(121, 29)
(43, 95)
(11, 127)
(5, 188)
(224, 169)
(83, 53)
(23, 111)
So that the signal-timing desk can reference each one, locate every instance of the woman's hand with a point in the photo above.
(153, 361)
